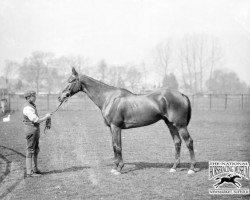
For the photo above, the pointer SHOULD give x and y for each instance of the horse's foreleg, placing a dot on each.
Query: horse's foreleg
(217, 185)
(189, 142)
(117, 147)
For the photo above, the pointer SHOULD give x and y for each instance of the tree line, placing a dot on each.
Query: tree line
(189, 65)
(46, 73)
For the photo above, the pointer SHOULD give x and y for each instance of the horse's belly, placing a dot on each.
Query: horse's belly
(138, 118)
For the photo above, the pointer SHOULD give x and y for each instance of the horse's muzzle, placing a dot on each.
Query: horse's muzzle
(63, 96)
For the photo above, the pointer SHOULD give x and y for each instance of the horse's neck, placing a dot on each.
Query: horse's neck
(96, 90)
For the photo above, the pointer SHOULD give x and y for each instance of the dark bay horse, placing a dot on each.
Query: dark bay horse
(229, 179)
(121, 109)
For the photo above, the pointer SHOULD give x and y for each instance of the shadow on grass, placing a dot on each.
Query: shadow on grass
(71, 169)
(134, 166)
(7, 171)
(8, 162)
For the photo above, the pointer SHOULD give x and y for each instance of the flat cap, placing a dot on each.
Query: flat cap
(29, 93)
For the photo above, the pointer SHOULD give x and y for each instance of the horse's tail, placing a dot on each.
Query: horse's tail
(189, 109)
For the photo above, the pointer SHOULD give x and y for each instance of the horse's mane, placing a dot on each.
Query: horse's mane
(104, 84)
(97, 81)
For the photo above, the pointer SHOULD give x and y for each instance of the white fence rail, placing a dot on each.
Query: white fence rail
(82, 102)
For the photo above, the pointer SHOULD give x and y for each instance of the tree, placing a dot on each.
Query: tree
(116, 76)
(102, 69)
(170, 82)
(163, 55)
(216, 55)
(79, 62)
(53, 80)
(34, 69)
(10, 72)
(198, 56)
(133, 77)
(19, 85)
(226, 82)
(65, 63)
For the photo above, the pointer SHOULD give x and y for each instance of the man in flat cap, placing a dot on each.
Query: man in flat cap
(32, 122)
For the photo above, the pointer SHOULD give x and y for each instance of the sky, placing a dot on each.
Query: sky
(122, 31)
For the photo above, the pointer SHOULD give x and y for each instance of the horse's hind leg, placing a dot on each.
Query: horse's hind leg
(115, 153)
(237, 184)
(189, 142)
(177, 143)
(117, 147)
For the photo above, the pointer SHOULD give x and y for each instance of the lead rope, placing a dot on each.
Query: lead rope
(48, 121)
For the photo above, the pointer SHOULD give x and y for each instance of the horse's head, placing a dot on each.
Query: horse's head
(237, 176)
(73, 86)
(233, 176)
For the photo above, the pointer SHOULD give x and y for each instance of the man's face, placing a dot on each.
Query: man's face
(33, 98)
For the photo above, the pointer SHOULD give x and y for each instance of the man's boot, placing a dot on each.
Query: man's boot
(35, 168)
(29, 171)
(28, 166)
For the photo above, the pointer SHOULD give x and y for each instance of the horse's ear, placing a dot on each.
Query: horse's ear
(74, 72)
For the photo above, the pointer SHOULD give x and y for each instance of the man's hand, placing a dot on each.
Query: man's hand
(48, 115)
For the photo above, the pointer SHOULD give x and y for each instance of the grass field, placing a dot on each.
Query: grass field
(76, 157)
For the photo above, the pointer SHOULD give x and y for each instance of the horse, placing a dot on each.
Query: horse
(122, 109)
(229, 179)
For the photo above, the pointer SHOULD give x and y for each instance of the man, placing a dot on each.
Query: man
(32, 122)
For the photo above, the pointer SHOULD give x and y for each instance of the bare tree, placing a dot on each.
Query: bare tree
(79, 62)
(53, 80)
(163, 55)
(64, 63)
(133, 78)
(198, 56)
(10, 71)
(34, 69)
(186, 64)
(116, 76)
(216, 55)
(102, 69)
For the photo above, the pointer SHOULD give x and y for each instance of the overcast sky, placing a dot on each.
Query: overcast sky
(122, 31)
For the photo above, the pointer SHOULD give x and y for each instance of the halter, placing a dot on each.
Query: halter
(74, 82)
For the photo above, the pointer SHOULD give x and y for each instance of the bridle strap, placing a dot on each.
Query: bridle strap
(58, 107)
(73, 85)
(48, 121)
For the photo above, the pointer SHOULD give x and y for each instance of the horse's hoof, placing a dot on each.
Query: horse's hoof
(172, 170)
(115, 172)
(191, 171)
